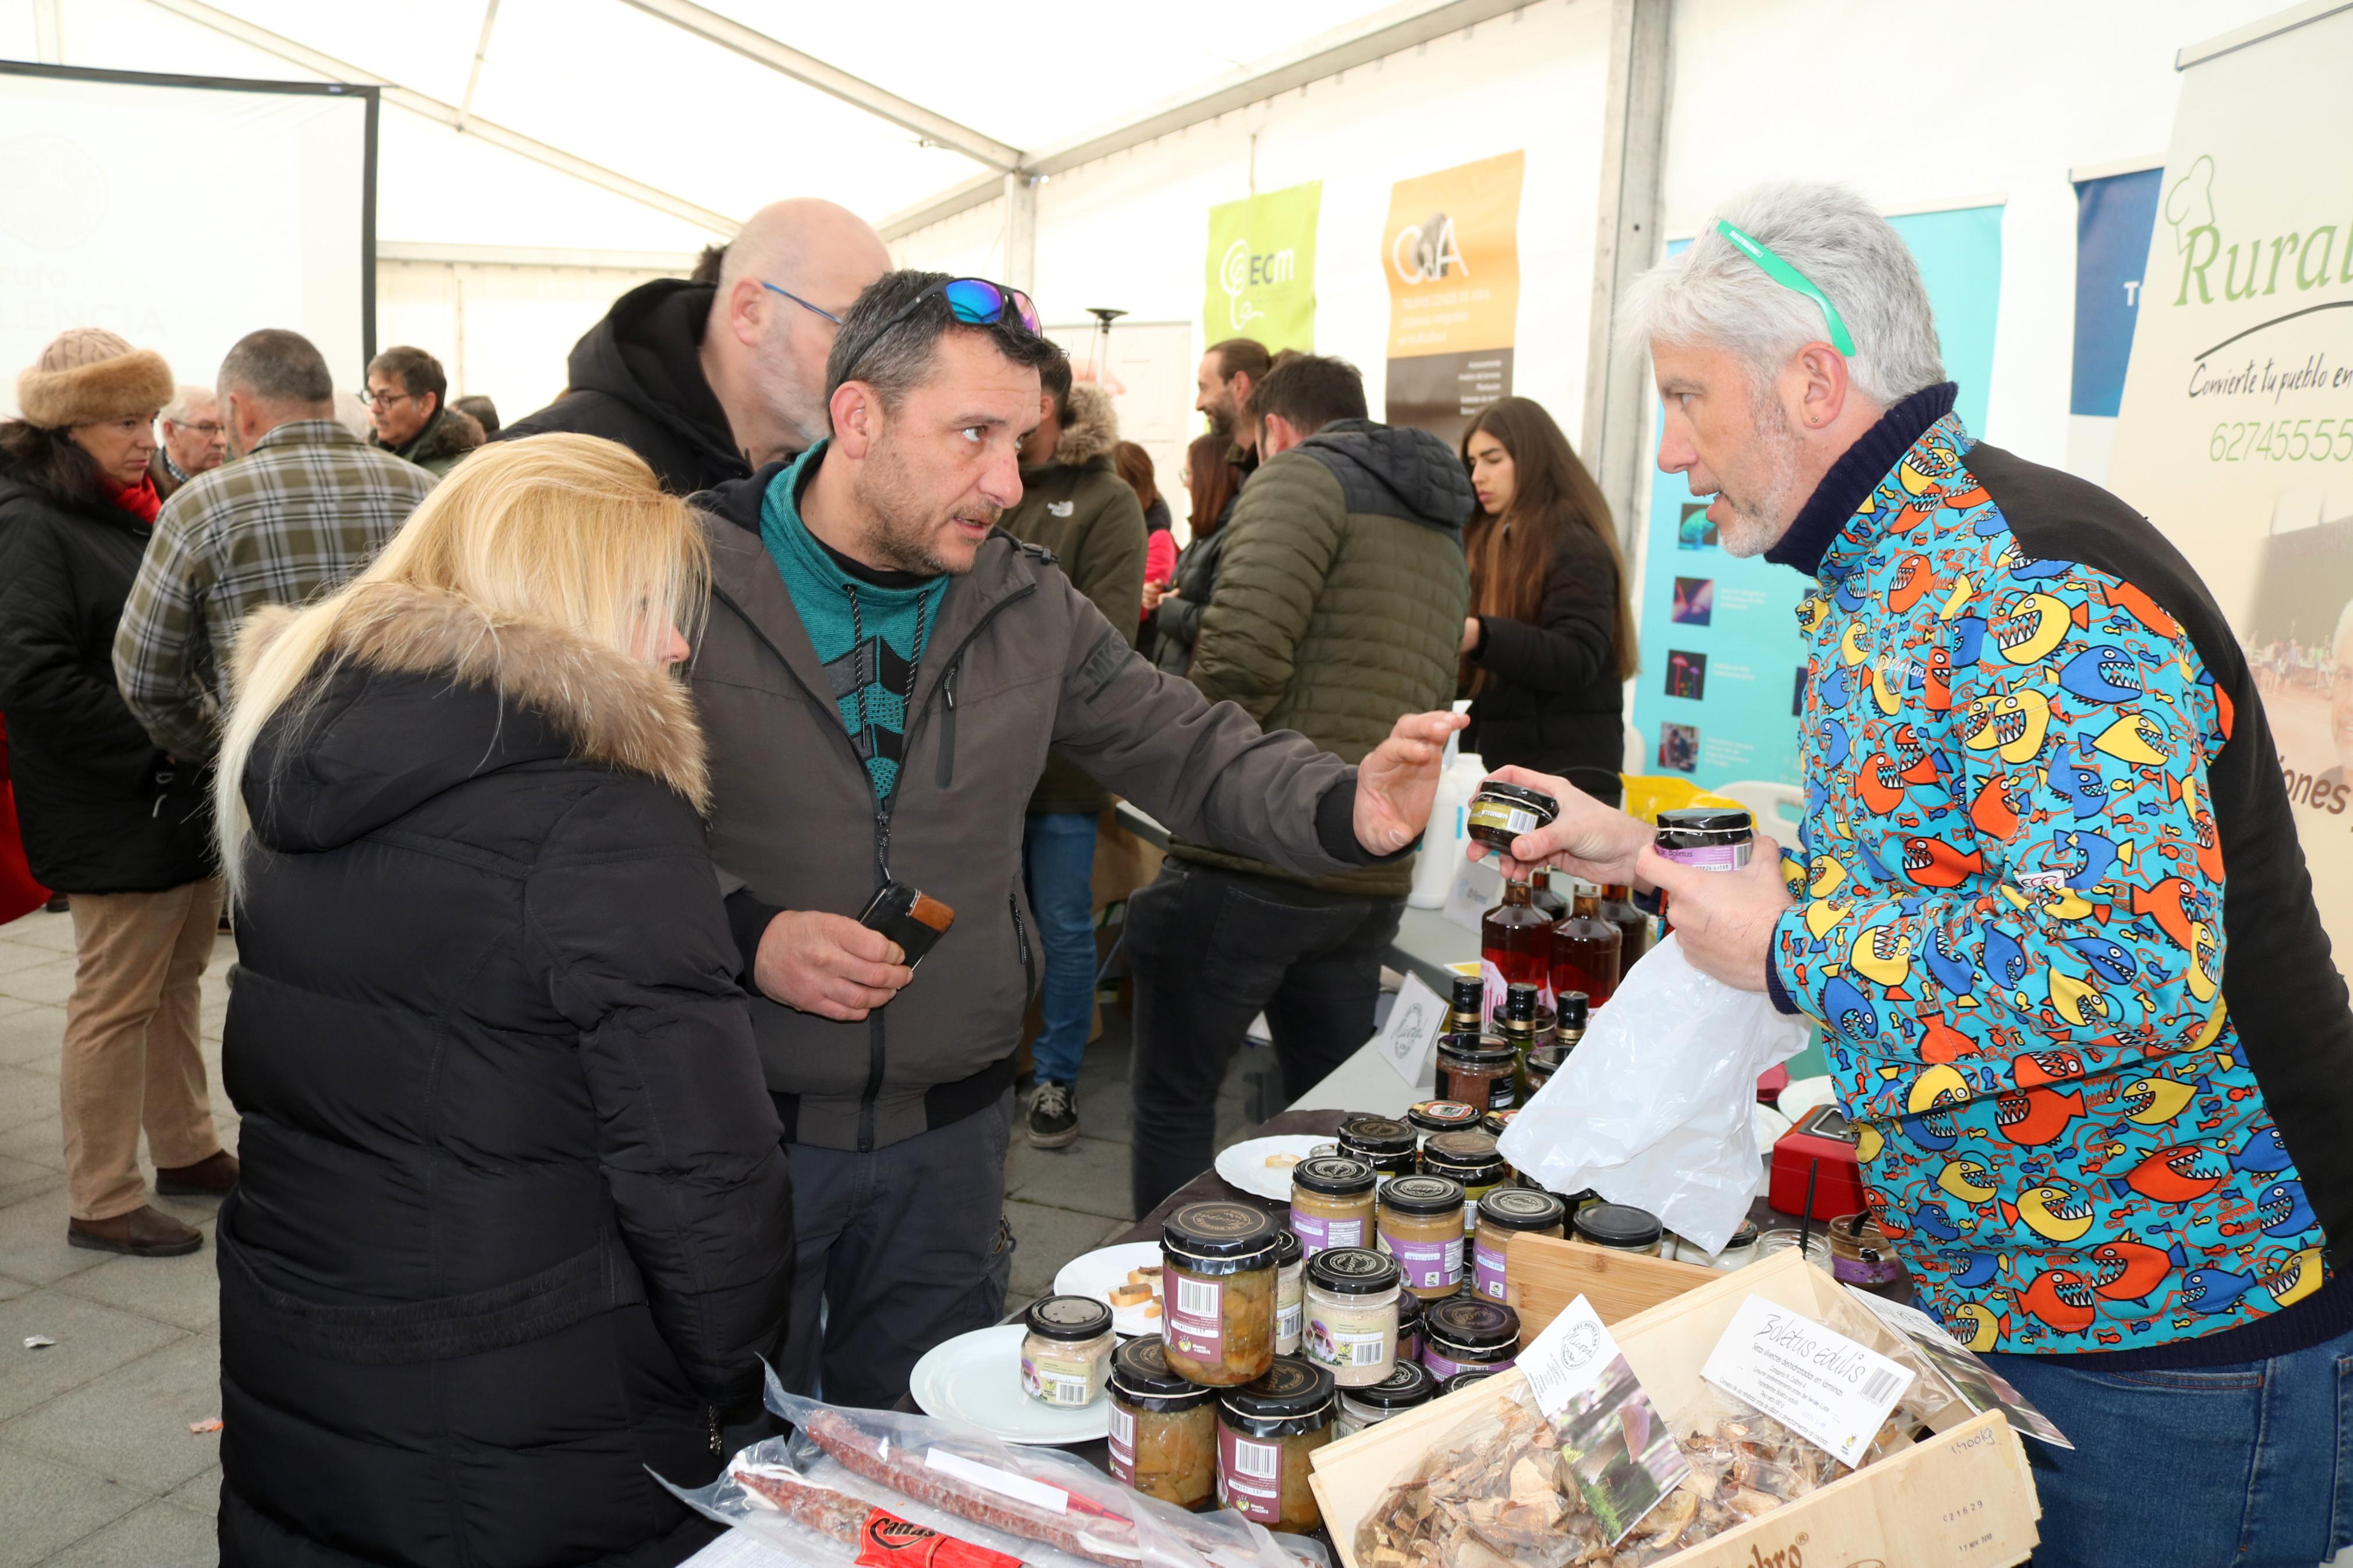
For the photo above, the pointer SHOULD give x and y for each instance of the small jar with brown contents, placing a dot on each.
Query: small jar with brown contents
(1385, 1144)
(1266, 1433)
(1217, 1289)
(1469, 1157)
(1620, 1227)
(1465, 1332)
(1479, 1070)
(1331, 1202)
(1164, 1429)
(1504, 1214)
(1409, 1384)
(1421, 1227)
(1290, 1293)
(1066, 1354)
(1351, 1314)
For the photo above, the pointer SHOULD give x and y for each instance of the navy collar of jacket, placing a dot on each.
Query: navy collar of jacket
(1856, 475)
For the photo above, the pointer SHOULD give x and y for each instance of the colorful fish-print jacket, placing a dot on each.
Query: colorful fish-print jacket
(2032, 752)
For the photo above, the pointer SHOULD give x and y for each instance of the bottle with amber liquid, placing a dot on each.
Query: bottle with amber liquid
(1585, 949)
(1546, 891)
(1514, 945)
(1633, 925)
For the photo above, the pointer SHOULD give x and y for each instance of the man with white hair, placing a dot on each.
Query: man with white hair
(708, 381)
(2032, 748)
(193, 441)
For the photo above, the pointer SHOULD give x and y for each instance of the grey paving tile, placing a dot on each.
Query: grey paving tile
(156, 1536)
(12, 1289)
(33, 1242)
(50, 982)
(1104, 1108)
(200, 1493)
(38, 1143)
(25, 1096)
(16, 956)
(131, 1425)
(91, 1340)
(49, 1507)
(182, 1291)
(1089, 1176)
(23, 1179)
(11, 1005)
(1049, 1238)
(52, 931)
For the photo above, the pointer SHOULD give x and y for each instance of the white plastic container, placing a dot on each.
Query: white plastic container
(1443, 840)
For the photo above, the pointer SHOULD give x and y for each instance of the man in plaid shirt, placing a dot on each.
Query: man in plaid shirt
(303, 505)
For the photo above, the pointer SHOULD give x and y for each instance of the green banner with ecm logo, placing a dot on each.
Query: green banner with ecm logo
(1261, 269)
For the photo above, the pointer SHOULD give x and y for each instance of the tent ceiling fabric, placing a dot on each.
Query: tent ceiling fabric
(615, 85)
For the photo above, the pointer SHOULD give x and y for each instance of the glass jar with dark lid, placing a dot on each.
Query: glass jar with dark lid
(1352, 1314)
(1501, 812)
(1164, 1429)
(1618, 1225)
(1432, 1117)
(1409, 1327)
(1408, 1386)
(1218, 1291)
(1267, 1430)
(1494, 1121)
(1385, 1144)
(1421, 1227)
(1066, 1349)
(1469, 1156)
(1480, 1072)
(1462, 1380)
(1332, 1202)
(1505, 1212)
(1464, 1331)
(1707, 838)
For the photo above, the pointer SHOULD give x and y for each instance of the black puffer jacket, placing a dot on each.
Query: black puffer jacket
(1177, 618)
(637, 378)
(1552, 699)
(102, 810)
(515, 1224)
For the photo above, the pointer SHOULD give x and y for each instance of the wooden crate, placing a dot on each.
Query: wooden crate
(1547, 1273)
(1962, 1497)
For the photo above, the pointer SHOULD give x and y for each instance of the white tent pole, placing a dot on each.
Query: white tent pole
(49, 33)
(474, 73)
(497, 135)
(811, 71)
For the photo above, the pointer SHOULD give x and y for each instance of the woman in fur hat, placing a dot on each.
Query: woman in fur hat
(107, 817)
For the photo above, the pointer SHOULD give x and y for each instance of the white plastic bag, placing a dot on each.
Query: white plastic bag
(1654, 1107)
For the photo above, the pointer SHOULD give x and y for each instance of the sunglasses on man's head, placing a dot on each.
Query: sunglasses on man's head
(974, 302)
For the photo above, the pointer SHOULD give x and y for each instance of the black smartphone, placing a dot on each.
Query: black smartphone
(913, 919)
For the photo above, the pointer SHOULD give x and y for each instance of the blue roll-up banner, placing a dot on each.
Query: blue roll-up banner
(1717, 698)
(2114, 215)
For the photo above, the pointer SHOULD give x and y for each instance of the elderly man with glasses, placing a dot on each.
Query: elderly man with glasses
(707, 380)
(192, 439)
(884, 671)
(2034, 754)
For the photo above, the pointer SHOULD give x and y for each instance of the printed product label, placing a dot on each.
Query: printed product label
(1250, 1476)
(1196, 1316)
(1286, 1327)
(1427, 1265)
(1442, 1367)
(1813, 1380)
(1123, 1446)
(886, 1540)
(1347, 1343)
(1054, 1380)
(1710, 856)
(1512, 819)
(1316, 1235)
(1487, 1272)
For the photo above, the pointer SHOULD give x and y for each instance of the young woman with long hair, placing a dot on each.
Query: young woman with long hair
(514, 1226)
(1549, 641)
(1214, 484)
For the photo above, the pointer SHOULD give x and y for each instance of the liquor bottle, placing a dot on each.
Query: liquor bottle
(1633, 925)
(1467, 1012)
(1546, 891)
(1585, 949)
(1514, 944)
(1517, 1022)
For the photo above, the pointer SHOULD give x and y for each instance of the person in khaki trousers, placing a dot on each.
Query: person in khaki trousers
(107, 817)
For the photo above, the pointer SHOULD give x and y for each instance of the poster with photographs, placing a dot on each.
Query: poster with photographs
(1613, 1443)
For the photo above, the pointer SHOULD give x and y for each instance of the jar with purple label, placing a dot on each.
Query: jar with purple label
(1707, 838)
(1218, 1283)
(1502, 1213)
(1409, 1327)
(1465, 1333)
(1331, 1202)
(1268, 1430)
(1421, 1227)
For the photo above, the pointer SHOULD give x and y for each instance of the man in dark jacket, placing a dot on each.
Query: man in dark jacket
(408, 408)
(1073, 504)
(708, 381)
(1338, 605)
(1222, 384)
(882, 676)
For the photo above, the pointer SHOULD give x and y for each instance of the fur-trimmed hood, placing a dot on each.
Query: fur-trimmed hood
(1092, 430)
(498, 693)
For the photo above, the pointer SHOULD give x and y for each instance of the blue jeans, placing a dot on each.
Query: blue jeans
(2249, 1465)
(1057, 862)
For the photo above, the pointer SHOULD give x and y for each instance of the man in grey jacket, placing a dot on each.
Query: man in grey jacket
(884, 673)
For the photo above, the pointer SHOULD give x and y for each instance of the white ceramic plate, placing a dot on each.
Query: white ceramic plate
(977, 1378)
(1245, 1164)
(1094, 1273)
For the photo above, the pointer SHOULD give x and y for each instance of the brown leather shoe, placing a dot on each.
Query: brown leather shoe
(141, 1232)
(208, 1178)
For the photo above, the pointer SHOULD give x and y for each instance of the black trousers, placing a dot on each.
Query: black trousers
(1210, 950)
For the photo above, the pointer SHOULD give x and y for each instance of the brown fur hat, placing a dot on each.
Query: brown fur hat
(86, 374)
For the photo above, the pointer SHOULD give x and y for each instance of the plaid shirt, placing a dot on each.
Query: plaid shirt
(307, 508)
